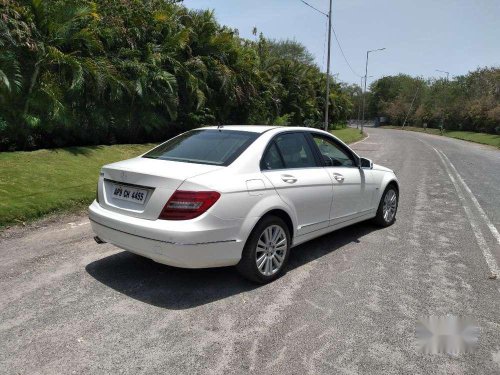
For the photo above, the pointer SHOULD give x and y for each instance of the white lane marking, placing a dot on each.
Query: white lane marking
(489, 224)
(485, 217)
(488, 256)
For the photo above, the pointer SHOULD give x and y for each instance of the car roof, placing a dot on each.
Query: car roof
(263, 128)
(246, 128)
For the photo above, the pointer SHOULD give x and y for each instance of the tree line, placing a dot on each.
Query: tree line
(78, 72)
(467, 102)
(82, 72)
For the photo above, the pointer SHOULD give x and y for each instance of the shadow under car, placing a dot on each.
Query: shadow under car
(177, 288)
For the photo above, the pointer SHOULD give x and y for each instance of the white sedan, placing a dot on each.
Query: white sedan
(238, 195)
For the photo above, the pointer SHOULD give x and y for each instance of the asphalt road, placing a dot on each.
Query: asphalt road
(349, 304)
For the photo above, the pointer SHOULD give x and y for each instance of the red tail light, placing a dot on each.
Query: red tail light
(185, 205)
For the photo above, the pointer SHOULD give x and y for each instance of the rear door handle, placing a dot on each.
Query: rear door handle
(338, 177)
(288, 178)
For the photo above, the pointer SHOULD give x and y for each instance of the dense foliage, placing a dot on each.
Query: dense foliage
(79, 72)
(469, 102)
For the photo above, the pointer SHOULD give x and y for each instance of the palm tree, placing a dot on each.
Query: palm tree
(60, 62)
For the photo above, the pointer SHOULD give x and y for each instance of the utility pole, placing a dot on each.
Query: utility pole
(327, 101)
(364, 91)
(329, 16)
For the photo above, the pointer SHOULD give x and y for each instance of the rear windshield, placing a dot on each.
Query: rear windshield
(210, 146)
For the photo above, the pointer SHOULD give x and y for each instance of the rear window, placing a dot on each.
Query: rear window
(210, 146)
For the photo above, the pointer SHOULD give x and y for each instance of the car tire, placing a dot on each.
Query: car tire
(388, 207)
(272, 251)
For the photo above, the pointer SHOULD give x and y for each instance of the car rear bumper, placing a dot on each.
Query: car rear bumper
(208, 242)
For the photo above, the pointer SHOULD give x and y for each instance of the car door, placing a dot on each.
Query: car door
(351, 193)
(293, 167)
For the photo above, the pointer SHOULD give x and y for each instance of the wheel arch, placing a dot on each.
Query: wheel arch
(275, 211)
(389, 179)
(386, 181)
(283, 215)
(392, 182)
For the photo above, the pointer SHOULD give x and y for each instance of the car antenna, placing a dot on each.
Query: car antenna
(220, 127)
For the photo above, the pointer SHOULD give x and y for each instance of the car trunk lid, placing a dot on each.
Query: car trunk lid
(141, 187)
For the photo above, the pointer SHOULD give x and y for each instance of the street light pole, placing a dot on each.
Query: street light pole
(447, 80)
(360, 100)
(366, 76)
(327, 101)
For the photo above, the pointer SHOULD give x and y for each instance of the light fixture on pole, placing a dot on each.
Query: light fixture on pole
(366, 76)
(445, 72)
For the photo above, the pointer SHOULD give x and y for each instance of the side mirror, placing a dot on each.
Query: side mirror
(365, 163)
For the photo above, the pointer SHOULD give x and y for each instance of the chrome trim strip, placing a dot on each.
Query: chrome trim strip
(148, 188)
(351, 216)
(291, 169)
(167, 242)
(364, 213)
(354, 217)
(308, 225)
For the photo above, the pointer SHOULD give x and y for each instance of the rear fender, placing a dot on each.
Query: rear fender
(263, 207)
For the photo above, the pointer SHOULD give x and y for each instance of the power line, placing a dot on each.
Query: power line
(343, 54)
(329, 18)
(336, 39)
(316, 9)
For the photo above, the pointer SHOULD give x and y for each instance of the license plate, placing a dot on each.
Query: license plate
(128, 193)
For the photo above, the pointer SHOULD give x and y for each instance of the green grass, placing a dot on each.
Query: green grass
(348, 135)
(36, 183)
(33, 184)
(483, 138)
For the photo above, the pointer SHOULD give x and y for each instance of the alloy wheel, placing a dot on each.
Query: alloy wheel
(390, 205)
(271, 250)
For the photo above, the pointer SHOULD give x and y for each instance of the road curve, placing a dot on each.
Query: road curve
(349, 303)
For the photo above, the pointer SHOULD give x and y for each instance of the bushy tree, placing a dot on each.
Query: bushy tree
(468, 102)
(75, 72)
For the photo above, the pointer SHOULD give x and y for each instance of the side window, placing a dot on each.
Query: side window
(332, 154)
(295, 150)
(272, 159)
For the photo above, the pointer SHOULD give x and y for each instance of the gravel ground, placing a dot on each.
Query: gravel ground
(349, 303)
